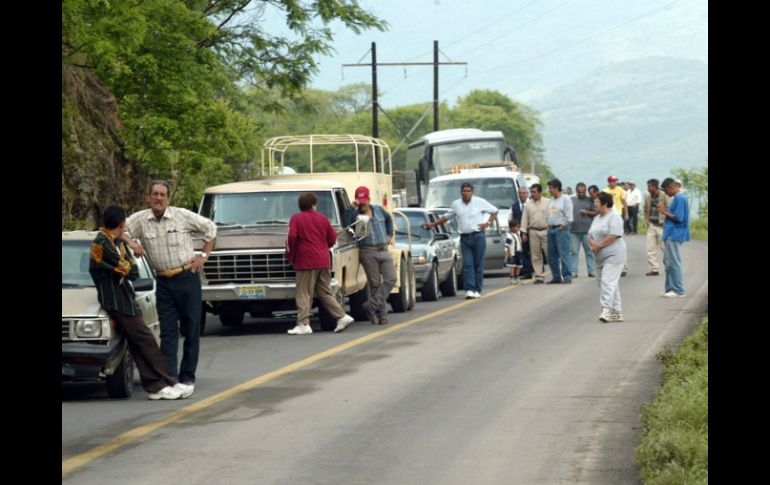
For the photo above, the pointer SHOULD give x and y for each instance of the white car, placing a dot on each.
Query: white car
(92, 346)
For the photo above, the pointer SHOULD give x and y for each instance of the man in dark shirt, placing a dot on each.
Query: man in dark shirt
(112, 269)
(517, 210)
(578, 235)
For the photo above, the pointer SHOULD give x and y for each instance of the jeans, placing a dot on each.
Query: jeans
(575, 240)
(179, 303)
(673, 263)
(558, 254)
(474, 248)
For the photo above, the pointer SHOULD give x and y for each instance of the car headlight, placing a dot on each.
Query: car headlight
(419, 258)
(92, 328)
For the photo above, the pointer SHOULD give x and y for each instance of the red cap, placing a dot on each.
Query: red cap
(612, 178)
(362, 194)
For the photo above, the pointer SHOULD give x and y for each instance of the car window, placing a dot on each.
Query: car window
(75, 258)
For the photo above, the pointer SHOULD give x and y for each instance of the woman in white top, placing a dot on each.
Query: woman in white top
(606, 239)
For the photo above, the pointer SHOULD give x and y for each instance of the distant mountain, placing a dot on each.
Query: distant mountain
(636, 119)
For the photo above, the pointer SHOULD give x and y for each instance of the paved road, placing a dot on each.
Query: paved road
(522, 386)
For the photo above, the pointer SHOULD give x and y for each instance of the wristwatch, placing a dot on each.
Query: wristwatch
(204, 255)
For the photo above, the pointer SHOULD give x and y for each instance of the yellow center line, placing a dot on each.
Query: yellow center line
(71, 464)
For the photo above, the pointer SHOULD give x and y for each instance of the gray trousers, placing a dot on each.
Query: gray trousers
(608, 278)
(381, 276)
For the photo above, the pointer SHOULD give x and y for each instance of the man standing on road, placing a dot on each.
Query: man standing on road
(307, 249)
(578, 235)
(654, 222)
(534, 229)
(373, 254)
(618, 204)
(472, 222)
(113, 268)
(633, 200)
(517, 212)
(559, 220)
(676, 230)
(166, 232)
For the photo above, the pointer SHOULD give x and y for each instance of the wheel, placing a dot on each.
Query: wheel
(449, 286)
(231, 316)
(328, 322)
(412, 286)
(357, 301)
(400, 301)
(430, 291)
(121, 383)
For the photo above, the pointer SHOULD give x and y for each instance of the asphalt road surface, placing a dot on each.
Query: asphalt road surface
(523, 386)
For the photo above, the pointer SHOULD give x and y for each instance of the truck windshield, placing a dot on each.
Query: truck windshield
(261, 208)
(75, 256)
(444, 156)
(500, 192)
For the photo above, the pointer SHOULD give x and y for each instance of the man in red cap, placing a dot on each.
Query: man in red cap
(618, 203)
(373, 255)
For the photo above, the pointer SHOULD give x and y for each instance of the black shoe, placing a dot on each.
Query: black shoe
(623, 273)
(554, 282)
(567, 282)
(538, 282)
(591, 275)
(526, 277)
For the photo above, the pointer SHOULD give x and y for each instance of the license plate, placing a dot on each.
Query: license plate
(251, 292)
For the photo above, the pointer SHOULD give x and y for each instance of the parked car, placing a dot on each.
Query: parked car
(495, 235)
(434, 253)
(92, 346)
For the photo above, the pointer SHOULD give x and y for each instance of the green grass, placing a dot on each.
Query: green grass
(674, 445)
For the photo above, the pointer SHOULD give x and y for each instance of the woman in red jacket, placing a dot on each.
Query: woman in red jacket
(310, 237)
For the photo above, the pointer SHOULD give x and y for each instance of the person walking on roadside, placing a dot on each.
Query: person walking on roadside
(517, 212)
(606, 239)
(374, 255)
(166, 233)
(472, 221)
(534, 229)
(578, 233)
(559, 220)
(307, 249)
(112, 269)
(676, 231)
(654, 221)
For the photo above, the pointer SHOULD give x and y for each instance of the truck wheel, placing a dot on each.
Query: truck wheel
(121, 383)
(449, 286)
(430, 291)
(231, 317)
(328, 322)
(412, 286)
(400, 301)
(357, 301)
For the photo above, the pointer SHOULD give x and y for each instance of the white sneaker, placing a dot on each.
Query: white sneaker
(672, 294)
(476, 294)
(301, 330)
(605, 316)
(185, 390)
(469, 295)
(343, 323)
(167, 392)
(616, 316)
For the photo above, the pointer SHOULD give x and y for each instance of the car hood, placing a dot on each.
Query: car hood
(273, 237)
(80, 302)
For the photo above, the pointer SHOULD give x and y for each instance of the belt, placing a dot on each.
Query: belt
(374, 248)
(170, 273)
(538, 228)
(469, 233)
(555, 226)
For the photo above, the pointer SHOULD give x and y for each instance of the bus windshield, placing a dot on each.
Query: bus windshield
(498, 191)
(446, 155)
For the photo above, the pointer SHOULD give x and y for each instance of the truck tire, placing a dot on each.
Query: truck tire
(120, 384)
(430, 291)
(229, 316)
(412, 286)
(328, 322)
(400, 301)
(449, 285)
(357, 301)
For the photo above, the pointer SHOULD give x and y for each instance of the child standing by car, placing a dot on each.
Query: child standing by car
(513, 251)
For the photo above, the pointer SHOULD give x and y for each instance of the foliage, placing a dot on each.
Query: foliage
(674, 445)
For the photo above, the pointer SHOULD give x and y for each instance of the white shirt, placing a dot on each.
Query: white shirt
(470, 215)
(633, 197)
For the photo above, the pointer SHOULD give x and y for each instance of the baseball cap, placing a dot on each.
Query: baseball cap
(612, 178)
(362, 194)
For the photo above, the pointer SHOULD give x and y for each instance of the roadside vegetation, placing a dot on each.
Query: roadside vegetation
(674, 445)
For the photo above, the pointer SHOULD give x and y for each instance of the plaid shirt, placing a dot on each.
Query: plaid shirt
(112, 268)
(169, 241)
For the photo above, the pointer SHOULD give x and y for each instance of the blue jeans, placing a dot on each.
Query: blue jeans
(673, 263)
(558, 254)
(474, 248)
(575, 240)
(179, 303)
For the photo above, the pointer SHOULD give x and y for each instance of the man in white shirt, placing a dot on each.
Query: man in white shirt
(472, 221)
(633, 200)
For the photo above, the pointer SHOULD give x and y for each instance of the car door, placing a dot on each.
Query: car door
(495, 257)
(444, 247)
(146, 300)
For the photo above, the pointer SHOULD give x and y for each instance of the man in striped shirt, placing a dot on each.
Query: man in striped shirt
(167, 234)
(113, 268)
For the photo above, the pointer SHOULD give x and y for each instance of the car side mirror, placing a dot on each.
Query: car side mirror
(360, 228)
(144, 284)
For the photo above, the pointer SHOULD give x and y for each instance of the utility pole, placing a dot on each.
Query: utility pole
(435, 64)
